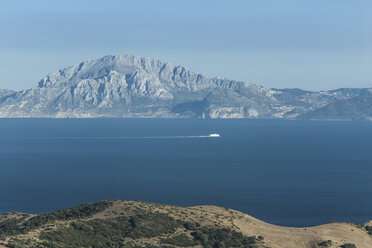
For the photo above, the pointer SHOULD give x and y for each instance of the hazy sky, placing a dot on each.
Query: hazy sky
(310, 44)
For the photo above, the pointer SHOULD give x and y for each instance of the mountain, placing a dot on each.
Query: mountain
(4, 94)
(141, 224)
(300, 102)
(356, 108)
(131, 86)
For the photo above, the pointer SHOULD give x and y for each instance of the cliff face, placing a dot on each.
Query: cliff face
(130, 86)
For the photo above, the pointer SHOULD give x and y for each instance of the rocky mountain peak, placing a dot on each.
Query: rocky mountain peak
(132, 86)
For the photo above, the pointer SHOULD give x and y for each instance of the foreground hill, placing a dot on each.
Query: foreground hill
(131, 86)
(140, 224)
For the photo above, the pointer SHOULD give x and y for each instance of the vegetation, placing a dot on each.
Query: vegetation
(136, 227)
(114, 232)
(111, 232)
(191, 225)
(348, 245)
(212, 238)
(326, 243)
(369, 229)
(209, 237)
(24, 225)
(180, 240)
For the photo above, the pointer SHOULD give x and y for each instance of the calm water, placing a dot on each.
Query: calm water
(296, 173)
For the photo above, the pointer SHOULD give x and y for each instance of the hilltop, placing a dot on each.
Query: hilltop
(140, 224)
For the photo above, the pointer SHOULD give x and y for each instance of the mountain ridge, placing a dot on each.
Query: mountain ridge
(131, 86)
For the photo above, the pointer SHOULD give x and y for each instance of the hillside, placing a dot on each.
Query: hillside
(140, 224)
(131, 86)
(356, 108)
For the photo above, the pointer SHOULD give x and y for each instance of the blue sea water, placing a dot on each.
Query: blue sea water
(295, 173)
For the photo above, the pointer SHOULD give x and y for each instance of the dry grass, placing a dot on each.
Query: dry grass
(218, 217)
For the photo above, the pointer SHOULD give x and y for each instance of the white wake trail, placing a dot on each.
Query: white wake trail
(116, 137)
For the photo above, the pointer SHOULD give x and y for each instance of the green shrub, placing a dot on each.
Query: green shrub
(326, 243)
(369, 229)
(14, 227)
(81, 231)
(111, 232)
(180, 240)
(190, 225)
(348, 245)
(224, 237)
(152, 225)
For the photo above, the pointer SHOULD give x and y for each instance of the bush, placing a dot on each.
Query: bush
(14, 227)
(369, 229)
(348, 245)
(111, 232)
(152, 225)
(80, 231)
(190, 225)
(325, 243)
(224, 237)
(180, 240)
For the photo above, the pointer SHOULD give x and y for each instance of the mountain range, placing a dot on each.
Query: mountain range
(131, 86)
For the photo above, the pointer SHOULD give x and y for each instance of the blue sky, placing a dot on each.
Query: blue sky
(314, 45)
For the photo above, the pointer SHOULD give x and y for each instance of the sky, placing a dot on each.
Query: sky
(313, 45)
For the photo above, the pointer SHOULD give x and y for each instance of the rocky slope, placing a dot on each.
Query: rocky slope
(130, 86)
(140, 224)
(356, 108)
(4, 94)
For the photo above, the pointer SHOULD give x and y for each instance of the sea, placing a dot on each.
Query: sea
(291, 173)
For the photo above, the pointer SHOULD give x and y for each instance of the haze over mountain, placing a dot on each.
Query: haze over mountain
(131, 86)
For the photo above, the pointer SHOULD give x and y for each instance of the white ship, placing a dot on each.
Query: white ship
(214, 135)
